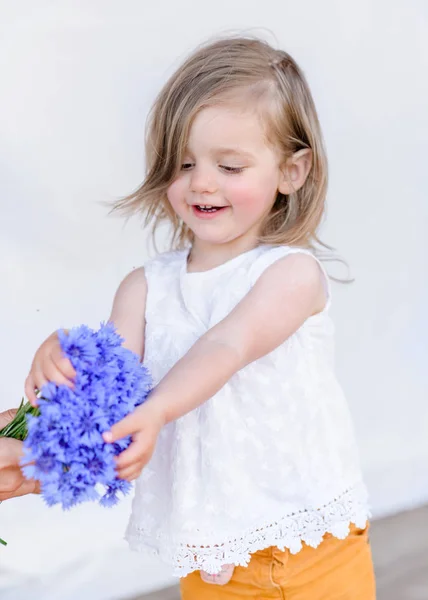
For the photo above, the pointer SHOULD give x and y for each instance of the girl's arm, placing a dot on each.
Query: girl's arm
(49, 363)
(128, 312)
(286, 294)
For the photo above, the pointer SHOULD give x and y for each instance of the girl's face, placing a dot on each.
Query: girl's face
(229, 178)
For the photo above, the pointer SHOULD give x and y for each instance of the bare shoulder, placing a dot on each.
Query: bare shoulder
(299, 264)
(135, 278)
(132, 290)
(297, 274)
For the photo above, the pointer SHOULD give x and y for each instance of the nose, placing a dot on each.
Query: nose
(203, 181)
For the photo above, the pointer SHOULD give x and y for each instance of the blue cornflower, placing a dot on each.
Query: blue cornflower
(71, 459)
(110, 498)
(79, 346)
(89, 424)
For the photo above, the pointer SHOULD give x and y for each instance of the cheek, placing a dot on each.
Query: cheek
(175, 193)
(253, 195)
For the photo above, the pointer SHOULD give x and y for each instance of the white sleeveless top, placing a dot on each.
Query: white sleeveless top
(270, 460)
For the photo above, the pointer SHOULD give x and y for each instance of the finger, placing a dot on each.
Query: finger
(39, 379)
(27, 487)
(136, 452)
(29, 390)
(53, 374)
(11, 479)
(130, 473)
(127, 426)
(63, 363)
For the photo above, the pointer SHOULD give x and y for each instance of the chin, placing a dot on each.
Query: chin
(216, 241)
(211, 239)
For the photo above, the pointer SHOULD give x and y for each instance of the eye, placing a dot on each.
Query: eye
(231, 169)
(186, 166)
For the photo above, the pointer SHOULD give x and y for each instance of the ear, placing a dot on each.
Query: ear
(295, 171)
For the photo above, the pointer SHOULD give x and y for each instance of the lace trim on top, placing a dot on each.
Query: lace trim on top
(308, 526)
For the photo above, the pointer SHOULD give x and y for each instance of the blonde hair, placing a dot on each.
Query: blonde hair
(212, 74)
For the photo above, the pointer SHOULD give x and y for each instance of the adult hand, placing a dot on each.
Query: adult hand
(12, 481)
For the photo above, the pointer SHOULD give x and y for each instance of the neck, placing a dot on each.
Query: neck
(204, 255)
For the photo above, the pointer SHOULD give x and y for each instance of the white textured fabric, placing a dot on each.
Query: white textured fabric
(270, 459)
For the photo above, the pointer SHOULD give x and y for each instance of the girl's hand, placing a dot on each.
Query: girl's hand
(144, 424)
(49, 364)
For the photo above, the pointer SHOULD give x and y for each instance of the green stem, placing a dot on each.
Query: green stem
(17, 428)
(3, 542)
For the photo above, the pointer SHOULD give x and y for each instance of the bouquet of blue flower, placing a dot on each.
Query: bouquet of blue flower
(63, 444)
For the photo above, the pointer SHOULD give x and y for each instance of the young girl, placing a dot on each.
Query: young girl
(248, 476)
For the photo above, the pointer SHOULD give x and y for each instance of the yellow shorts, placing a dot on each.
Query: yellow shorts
(336, 570)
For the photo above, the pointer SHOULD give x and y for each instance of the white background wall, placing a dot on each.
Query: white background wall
(77, 78)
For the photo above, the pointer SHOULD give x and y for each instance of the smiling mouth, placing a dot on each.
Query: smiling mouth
(208, 208)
